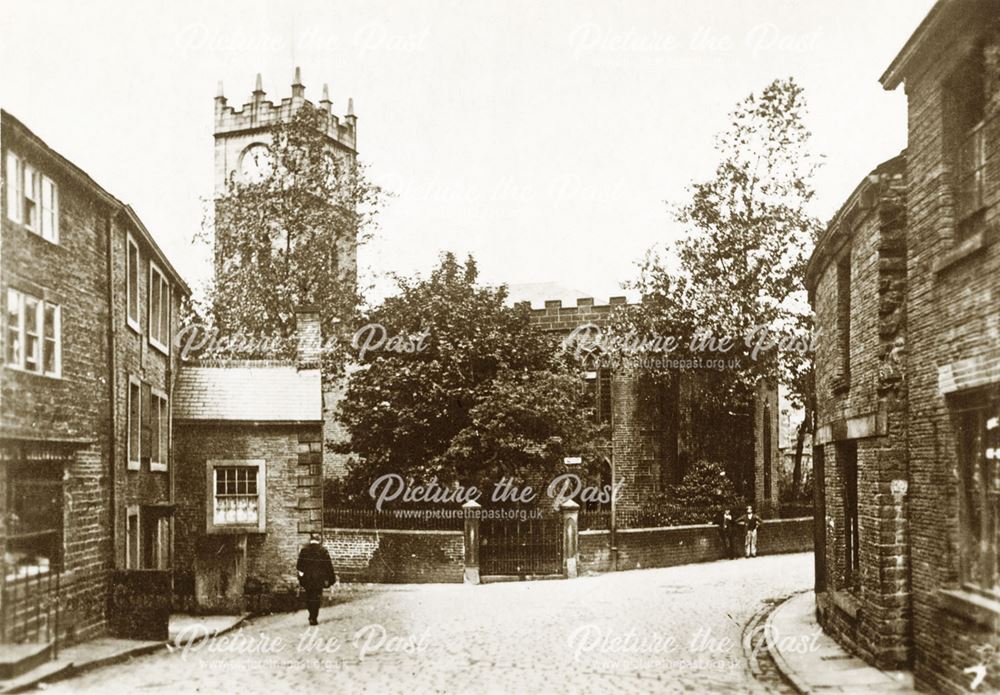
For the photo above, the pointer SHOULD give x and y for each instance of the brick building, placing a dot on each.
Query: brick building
(906, 278)
(249, 439)
(657, 430)
(856, 279)
(90, 305)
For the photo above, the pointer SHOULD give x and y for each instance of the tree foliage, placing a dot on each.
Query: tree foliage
(739, 266)
(287, 237)
(740, 263)
(488, 396)
(704, 493)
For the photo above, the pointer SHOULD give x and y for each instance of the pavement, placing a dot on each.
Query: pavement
(105, 651)
(814, 662)
(668, 630)
(186, 628)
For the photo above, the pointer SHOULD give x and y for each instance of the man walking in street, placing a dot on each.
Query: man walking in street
(315, 574)
(752, 522)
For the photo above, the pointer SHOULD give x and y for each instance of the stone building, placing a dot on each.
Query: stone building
(249, 439)
(242, 141)
(90, 307)
(906, 279)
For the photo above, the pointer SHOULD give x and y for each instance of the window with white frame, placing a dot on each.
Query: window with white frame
(159, 418)
(159, 308)
(33, 334)
(32, 199)
(15, 188)
(50, 210)
(134, 423)
(132, 282)
(236, 495)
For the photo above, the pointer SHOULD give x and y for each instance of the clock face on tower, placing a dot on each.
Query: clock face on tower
(255, 163)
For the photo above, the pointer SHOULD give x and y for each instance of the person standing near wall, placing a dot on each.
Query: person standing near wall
(751, 522)
(315, 574)
(726, 532)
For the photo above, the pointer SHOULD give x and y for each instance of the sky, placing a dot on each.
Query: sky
(544, 138)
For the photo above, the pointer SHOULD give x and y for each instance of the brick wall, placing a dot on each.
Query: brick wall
(952, 315)
(595, 551)
(396, 557)
(861, 400)
(681, 545)
(557, 318)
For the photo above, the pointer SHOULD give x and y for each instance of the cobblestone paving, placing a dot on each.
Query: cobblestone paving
(662, 630)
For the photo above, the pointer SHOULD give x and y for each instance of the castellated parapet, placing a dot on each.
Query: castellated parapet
(238, 130)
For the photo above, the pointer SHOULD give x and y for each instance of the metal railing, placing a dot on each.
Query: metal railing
(29, 606)
(402, 519)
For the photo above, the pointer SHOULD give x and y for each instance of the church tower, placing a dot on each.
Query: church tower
(242, 139)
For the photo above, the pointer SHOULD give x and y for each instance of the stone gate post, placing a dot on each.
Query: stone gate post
(571, 546)
(471, 512)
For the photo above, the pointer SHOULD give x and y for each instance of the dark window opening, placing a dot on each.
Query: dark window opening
(34, 520)
(965, 90)
(979, 460)
(155, 538)
(844, 313)
(604, 396)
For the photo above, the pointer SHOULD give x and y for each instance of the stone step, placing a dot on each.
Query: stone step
(16, 659)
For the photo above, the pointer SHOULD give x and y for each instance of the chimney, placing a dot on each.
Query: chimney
(310, 337)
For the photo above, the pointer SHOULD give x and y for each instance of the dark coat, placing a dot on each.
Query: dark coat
(315, 567)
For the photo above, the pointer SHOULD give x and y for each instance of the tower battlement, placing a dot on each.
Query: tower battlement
(262, 113)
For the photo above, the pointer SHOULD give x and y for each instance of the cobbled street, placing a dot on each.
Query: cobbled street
(597, 634)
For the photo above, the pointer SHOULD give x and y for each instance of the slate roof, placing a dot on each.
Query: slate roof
(248, 392)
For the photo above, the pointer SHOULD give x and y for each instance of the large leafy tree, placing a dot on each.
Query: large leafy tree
(481, 396)
(287, 236)
(739, 266)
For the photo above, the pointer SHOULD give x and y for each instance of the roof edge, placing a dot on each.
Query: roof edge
(941, 16)
(118, 205)
(147, 236)
(238, 421)
(826, 237)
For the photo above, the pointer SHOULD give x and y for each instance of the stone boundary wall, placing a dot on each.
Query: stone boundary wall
(682, 545)
(396, 557)
(405, 557)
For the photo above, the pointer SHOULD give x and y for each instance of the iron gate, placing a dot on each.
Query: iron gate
(521, 547)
